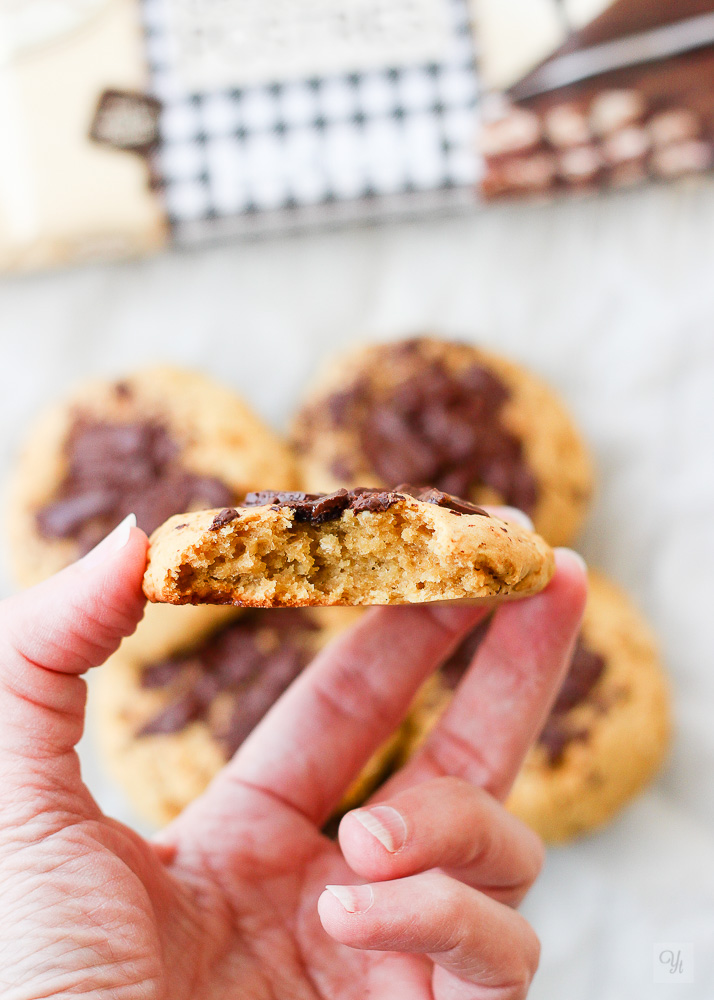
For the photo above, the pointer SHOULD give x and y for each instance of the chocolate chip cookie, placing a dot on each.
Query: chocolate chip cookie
(154, 443)
(166, 723)
(353, 547)
(607, 732)
(454, 416)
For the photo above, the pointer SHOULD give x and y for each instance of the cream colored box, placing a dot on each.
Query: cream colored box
(63, 197)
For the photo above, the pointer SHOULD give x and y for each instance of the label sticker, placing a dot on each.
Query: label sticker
(233, 43)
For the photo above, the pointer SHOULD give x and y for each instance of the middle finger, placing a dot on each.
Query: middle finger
(447, 824)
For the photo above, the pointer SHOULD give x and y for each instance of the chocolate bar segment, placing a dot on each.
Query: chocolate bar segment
(644, 119)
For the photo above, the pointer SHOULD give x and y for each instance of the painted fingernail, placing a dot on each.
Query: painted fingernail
(519, 516)
(573, 556)
(354, 898)
(110, 545)
(384, 823)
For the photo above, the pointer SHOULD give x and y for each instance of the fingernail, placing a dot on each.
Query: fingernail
(519, 516)
(573, 556)
(384, 823)
(354, 898)
(108, 546)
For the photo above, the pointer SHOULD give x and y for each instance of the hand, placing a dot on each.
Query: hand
(230, 900)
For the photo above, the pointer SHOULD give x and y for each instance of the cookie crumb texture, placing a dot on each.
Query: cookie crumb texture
(411, 552)
(465, 420)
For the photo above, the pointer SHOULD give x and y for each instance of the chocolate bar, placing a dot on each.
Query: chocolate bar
(621, 119)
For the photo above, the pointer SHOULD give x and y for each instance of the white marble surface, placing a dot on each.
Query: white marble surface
(610, 299)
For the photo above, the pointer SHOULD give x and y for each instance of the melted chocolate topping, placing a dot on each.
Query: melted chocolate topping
(317, 508)
(437, 427)
(247, 665)
(586, 668)
(117, 469)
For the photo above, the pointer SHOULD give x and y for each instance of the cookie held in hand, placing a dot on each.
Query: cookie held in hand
(357, 547)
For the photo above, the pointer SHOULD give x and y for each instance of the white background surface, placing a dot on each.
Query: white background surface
(612, 300)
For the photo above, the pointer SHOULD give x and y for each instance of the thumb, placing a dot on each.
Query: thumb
(52, 633)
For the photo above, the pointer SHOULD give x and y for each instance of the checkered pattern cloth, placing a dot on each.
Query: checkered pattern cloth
(338, 147)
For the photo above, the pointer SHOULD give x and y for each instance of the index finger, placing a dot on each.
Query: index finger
(316, 738)
(503, 701)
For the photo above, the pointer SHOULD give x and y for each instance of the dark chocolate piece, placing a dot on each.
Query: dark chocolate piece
(586, 669)
(249, 662)
(438, 427)
(317, 508)
(126, 120)
(116, 469)
(224, 517)
(556, 736)
(429, 495)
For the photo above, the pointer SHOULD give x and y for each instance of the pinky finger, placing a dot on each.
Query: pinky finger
(474, 939)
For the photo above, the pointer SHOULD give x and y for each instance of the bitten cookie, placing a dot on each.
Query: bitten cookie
(167, 723)
(359, 547)
(607, 733)
(451, 415)
(154, 443)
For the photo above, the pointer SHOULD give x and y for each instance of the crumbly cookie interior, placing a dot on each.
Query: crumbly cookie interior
(385, 558)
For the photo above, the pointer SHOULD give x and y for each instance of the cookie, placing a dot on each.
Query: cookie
(154, 443)
(358, 547)
(607, 733)
(454, 416)
(168, 722)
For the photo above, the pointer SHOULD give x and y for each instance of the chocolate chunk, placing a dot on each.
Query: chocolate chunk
(117, 469)
(126, 120)
(175, 717)
(439, 427)
(373, 500)
(249, 663)
(224, 517)
(317, 508)
(586, 669)
(453, 670)
(556, 736)
(452, 503)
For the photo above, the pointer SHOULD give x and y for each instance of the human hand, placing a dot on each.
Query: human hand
(229, 900)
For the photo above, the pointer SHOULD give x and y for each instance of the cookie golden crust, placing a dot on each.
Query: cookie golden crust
(421, 410)
(379, 548)
(620, 731)
(163, 771)
(161, 422)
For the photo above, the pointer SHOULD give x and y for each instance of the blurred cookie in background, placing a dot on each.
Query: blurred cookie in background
(451, 416)
(155, 443)
(607, 732)
(167, 724)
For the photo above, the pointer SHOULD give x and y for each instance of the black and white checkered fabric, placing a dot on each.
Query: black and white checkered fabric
(365, 140)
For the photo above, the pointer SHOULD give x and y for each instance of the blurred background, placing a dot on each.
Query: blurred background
(344, 196)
